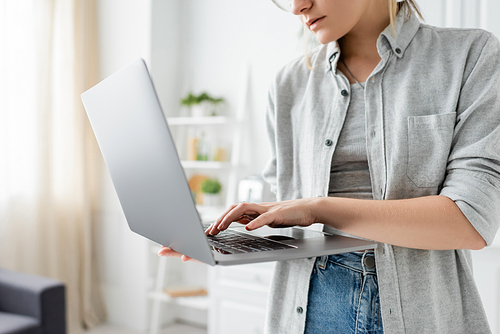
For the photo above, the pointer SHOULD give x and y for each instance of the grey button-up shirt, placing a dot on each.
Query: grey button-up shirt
(432, 127)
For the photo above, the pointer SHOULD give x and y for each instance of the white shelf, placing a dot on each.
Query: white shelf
(197, 302)
(208, 120)
(195, 164)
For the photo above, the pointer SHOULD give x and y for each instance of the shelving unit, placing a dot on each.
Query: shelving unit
(228, 170)
(159, 297)
(237, 295)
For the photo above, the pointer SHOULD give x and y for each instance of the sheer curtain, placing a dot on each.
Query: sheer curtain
(49, 162)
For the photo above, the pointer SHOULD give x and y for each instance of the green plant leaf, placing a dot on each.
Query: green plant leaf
(211, 186)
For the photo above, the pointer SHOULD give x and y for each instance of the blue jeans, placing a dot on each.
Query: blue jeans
(343, 295)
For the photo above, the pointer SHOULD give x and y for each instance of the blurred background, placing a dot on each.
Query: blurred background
(212, 62)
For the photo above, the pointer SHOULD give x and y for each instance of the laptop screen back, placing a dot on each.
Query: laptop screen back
(141, 157)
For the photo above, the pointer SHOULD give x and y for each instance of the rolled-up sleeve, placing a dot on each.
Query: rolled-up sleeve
(473, 170)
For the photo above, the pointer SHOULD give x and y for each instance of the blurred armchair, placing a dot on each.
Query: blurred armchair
(31, 304)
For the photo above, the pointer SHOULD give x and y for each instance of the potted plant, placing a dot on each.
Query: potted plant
(211, 188)
(215, 102)
(201, 105)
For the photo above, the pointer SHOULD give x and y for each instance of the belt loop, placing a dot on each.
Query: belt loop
(322, 262)
(363, 262)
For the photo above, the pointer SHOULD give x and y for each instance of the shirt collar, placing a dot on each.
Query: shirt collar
(332, 55)
(405, 30)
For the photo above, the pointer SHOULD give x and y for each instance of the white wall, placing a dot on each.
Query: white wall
(462, 13)
(217, 41)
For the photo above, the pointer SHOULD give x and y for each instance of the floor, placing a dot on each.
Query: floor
(174, 329)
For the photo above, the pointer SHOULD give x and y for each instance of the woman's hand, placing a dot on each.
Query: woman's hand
(253, 215)
(165, 251)
(277, 214)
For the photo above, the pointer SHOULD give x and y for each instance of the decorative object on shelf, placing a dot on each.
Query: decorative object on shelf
(218, 150)
(211, 188)
(202, 105)
(192, 146)
(203, 148)
(195, 182)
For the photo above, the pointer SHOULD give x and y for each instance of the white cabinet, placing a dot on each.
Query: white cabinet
(238, 298)
(239, 317)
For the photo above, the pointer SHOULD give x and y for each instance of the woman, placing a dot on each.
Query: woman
(391, 135)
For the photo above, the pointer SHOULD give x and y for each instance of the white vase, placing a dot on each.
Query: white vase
(200, 110)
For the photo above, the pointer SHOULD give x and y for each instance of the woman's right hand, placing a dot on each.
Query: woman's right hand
(166, 251)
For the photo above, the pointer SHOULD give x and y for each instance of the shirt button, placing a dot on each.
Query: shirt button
(328, 142)
(344, 92)
(398, 50)
(299, 310)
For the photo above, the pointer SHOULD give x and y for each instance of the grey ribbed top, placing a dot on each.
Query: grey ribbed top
(350, 175)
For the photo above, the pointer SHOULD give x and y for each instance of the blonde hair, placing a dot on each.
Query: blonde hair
(410, 7)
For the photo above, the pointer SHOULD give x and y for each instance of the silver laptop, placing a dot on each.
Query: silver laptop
(140, 154)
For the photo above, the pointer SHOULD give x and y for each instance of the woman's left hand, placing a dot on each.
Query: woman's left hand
(276, 214)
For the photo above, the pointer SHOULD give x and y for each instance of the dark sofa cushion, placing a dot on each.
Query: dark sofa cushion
(18, 324)
(40, 298)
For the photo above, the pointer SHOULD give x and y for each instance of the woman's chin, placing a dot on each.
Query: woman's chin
(323, 39)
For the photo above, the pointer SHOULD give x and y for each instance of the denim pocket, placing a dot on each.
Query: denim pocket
(429, 143)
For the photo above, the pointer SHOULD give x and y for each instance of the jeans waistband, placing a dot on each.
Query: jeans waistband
(362, 262)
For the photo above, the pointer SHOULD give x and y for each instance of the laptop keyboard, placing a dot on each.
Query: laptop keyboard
(230, 242)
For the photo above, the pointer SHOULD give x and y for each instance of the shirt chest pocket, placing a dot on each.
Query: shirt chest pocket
(429, 143)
